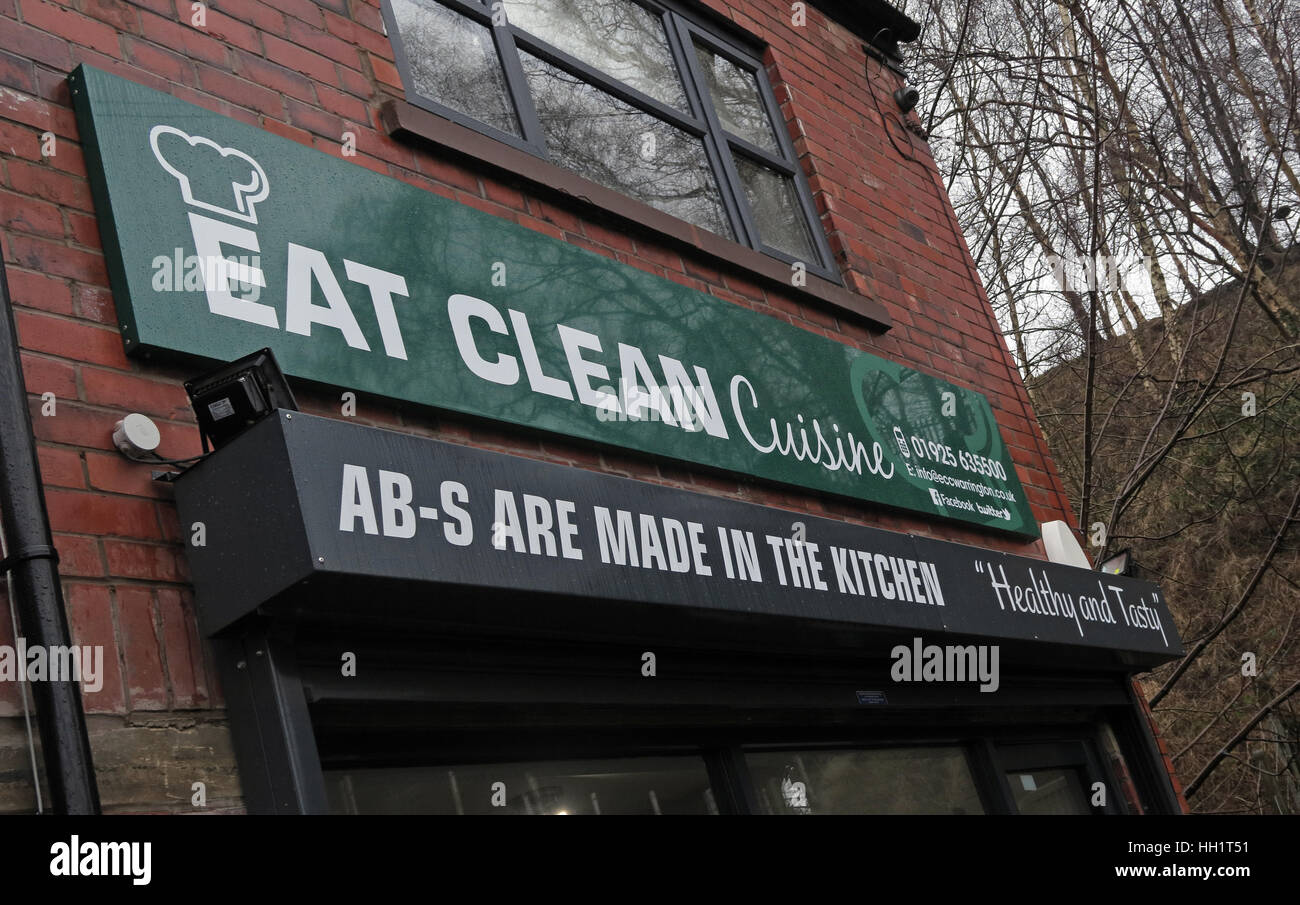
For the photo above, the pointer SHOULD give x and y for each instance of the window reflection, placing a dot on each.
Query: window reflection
(736, 99)
(633, 785)
(623, 148)
(1051, 791)
(654, 157)
(775, 206)
(453, 61)
(617, 37)
(876, 781)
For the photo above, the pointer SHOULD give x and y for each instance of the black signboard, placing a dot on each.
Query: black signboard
(300, 497)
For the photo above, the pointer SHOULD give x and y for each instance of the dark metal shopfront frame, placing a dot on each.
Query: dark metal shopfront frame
(285, 694)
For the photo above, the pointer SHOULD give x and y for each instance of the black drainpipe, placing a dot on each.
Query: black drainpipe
(30, 556)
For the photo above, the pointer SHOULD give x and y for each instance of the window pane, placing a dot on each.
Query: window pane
(881, 781)
(774, 202)
(623, 148)
(634, 785)
(615, 36)
(735, 98)
(1058, 791)
(454, 62)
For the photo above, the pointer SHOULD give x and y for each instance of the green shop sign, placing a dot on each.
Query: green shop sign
(222, 238)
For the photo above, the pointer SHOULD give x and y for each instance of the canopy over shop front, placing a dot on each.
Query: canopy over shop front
(312, 516)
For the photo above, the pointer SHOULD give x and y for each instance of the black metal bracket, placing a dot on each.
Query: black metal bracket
(36, 551)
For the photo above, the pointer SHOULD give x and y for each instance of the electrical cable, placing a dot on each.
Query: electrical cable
(22, 685)
(159, 460)
(885, 123)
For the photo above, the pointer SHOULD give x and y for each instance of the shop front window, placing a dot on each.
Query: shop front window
(1053, 791)
(632, 785)
(871, 781)
(638, 97)
(1061, 777)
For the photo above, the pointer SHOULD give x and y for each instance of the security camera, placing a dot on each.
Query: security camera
(906, 98)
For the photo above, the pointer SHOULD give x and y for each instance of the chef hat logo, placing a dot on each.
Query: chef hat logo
(247, 180)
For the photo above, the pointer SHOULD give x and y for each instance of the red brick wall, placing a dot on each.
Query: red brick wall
(311, 70)
(1165, 757)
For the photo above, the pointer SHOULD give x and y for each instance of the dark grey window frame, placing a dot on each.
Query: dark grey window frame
(276, 671)
(680, 28)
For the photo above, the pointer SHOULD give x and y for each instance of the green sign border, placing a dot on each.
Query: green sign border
(356, 248)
